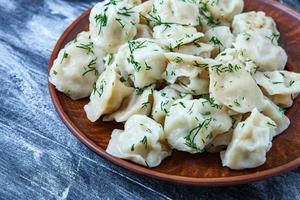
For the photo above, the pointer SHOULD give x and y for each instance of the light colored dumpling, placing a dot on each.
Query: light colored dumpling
(175, 35)
(225, 10)
(162, 101)
(251, 140)
(281, 86)
(187, 73)
(77, 66)
(174, 11)
(143, 31)
(195, 49)
(192, 124)
(107, 96)
(231, 85)
(277, 115)
(140, 102)
(110, 20)
(253, 20)
(142, 61)
(143, 141)
(262, 50)
(220, 37)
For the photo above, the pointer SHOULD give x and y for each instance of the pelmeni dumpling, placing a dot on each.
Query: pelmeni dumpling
(192, 124)
(110, 20)
(107, 96)
(187, 73)
(220, 37)
(142, 61)
(224, 10)
(77, 66)
(231, 85)
(262, 50)
(195, 49)
(277, 115)
(162, 101)
(175, 35)
(174, 11)
(143, 141)
(140, 102)
(281, 86)
(253, 20)
(143, 31)
(251, 140)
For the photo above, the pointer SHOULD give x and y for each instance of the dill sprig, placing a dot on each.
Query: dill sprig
(65, 56)
(92, 66)
(88, 47)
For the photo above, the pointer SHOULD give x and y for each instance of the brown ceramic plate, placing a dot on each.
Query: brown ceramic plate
(204, 169)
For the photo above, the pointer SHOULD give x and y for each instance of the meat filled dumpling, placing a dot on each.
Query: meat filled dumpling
(142, 61)
(253, 20)
(251, 140)
(139, 102)
(280, 86)
(187, 73)
(267, 55)
(77, 66)
(142, 141)
(162, 101)
(192, 124)
(112, 19)
(107, 95)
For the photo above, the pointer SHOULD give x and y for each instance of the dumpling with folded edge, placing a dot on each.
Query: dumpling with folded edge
(224, 10)
(251, 140)
(143, 31)
(77, 66)
(174, 12)
(187, 73)
(192, 124)
(162, 101)
(234, 87)
(142, 141)
(249, 21)
(280, 86)
(112, 19)
(107, 96)
(277, 115)
(175, 35)
(267, 55)
(139, 102)
(220, 37)
(142, 61)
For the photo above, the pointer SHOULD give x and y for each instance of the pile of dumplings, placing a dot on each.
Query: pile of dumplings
(190, 75)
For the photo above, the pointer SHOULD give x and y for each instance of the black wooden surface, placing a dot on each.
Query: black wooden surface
(40, 158)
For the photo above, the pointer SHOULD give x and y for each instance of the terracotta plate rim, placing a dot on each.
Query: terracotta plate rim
(217, 181)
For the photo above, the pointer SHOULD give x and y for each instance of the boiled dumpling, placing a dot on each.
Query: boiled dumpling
(107, 96)
(277, 115)
(267, 55)
(141, 61)
(192, 124)
(281, 86)
(219, 143)
(220, 37)
(250, 21)
(143, 31)
(113, 19)
(77, 66)
(143, 141)
(187, 73)
(195, 49)
(175, 35)
(162, 101)
(231, 85)
(251, 140)
(224, 10)
(174, 12)
(140, 102)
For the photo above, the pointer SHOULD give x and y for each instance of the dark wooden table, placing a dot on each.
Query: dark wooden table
(40, 158)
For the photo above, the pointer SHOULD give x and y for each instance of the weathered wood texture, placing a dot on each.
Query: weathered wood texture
(40, 158)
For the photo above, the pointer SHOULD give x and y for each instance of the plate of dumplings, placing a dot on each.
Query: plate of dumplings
(198, 92)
